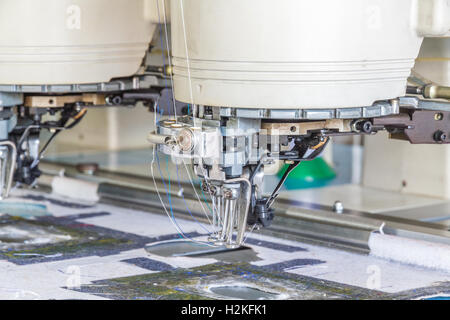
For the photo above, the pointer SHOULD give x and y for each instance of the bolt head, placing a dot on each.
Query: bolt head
(367, 127)
(439, 136)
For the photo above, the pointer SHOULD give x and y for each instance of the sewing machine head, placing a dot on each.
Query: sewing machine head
(58, 58)
(265, 81)
(272, 81)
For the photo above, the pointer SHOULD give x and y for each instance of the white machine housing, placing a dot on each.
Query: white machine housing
(73, 41)
(299, 53)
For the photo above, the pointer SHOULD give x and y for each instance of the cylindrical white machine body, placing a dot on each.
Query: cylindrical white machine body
(72, 41)
(434, 60)
(294, 53)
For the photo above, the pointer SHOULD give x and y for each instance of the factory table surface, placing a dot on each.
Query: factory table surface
(55, 248)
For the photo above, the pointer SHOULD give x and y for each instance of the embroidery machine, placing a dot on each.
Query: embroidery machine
(256, 83)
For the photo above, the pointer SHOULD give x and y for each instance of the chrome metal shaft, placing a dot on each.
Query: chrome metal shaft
(231, 203)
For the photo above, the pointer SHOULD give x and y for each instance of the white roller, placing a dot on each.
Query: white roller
(410, 251)
(75, 189)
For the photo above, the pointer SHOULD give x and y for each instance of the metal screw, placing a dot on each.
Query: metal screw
(439, 136)
(227, 193)
(230, 194)
(438, 116)
(117, 100)
(367, 127)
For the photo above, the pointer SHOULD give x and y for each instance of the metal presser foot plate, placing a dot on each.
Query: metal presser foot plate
(186, 248)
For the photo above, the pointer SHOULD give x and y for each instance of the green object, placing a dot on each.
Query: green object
(309, 174)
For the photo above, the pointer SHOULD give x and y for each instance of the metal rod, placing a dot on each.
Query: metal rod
(12, 166)
(230, 221)
(225, 221)
(436, 92)
(243, 221)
